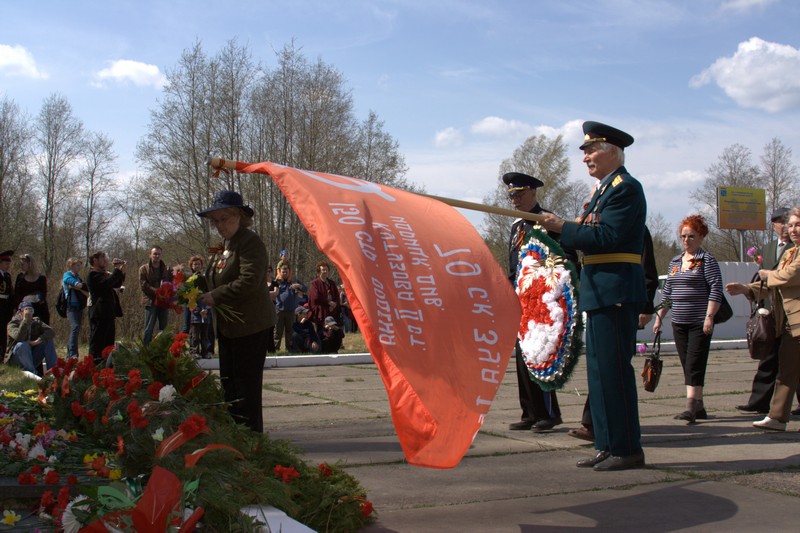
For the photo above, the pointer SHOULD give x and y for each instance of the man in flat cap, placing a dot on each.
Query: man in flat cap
(610, 233)
(6, 297)
(540, 410)
(764, 380)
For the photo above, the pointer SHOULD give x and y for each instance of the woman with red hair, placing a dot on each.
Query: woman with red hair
(693, 291)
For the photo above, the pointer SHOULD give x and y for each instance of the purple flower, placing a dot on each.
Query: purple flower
(752, 251)
(642, 348)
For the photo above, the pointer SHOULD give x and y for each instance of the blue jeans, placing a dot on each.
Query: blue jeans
(75, 316)
(30, 358)
(153, 314)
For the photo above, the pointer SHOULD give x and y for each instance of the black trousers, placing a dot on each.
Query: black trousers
(241, 369)
(102, 333)
(693, 346)
(764, 380)
(535, 403)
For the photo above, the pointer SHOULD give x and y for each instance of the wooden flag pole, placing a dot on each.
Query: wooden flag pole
(218, 163)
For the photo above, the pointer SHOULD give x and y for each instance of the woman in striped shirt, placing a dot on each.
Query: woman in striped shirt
(693, 291)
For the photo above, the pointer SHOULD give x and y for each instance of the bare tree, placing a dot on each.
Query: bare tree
(664, 245)
(15, 139)
(96, 183)
(173, 152)
(495, 228)
(378, 155)
(60, 140)
(546, 159)
(780, 175)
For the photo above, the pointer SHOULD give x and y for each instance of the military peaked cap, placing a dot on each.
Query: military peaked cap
(598, 132)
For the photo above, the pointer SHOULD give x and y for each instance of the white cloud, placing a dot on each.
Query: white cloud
(448, 138)
(760, 75)
(743, 6)
(497, 126)
(17, 61)
(126, 70)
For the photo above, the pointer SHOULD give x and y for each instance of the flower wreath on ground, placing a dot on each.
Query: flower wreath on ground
(551, 327)
(155, 427)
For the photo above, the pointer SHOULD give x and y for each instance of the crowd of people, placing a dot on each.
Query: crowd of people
(618, 281)
(243, 312)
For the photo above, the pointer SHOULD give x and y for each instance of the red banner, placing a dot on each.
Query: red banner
(436, 310)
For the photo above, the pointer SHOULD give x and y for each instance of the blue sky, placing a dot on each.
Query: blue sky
(460, 84)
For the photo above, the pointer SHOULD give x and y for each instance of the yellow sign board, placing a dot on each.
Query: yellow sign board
(739, 208)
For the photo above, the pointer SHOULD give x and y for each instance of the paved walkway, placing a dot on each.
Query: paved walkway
(720, 474)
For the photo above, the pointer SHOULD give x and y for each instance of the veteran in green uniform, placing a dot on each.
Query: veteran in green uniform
(610, 233)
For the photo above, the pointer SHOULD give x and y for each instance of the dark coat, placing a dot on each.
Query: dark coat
(237, 278)
(104, 300)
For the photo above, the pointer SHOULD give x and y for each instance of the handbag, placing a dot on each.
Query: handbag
(653, 366)
(724, 313)
(760, 330)
(61, 304)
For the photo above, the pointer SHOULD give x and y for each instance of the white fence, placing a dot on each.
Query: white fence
(733, 328)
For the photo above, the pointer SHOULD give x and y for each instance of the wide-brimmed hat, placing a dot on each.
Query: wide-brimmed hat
(225, 199)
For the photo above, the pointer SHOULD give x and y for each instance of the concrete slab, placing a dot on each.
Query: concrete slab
(716, 475)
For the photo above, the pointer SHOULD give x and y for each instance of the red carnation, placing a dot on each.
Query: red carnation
(52, 478)
(154, 389)
(77, 408)
(107, 351)
(193, 426)
(287, 473)
(26, 478)
(366, 508)
(325, 470)
(47, 502)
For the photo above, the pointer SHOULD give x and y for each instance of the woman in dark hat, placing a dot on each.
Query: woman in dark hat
(236, 281)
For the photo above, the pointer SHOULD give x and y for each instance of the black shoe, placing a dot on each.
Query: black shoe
(521, 425)
(747, 408)
(546, 424)
(597, 459)
(701, 414)
(627, 462)
(686, 415)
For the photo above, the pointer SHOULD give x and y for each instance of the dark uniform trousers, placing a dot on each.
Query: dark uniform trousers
(536, 404)
(612, 384)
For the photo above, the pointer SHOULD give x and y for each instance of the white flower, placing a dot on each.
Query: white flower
(167, 394)
(68, 520)
(37, 451)
(158, 435)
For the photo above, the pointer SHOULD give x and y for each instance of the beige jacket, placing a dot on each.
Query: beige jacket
(783, 285)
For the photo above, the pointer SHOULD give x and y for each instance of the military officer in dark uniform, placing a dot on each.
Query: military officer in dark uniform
(540, 410)
(612, 293)
(6, 298)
